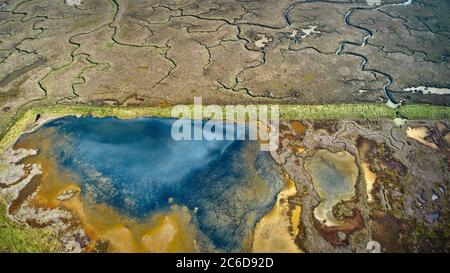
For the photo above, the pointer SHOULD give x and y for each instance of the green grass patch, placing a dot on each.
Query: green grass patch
(15, 238)
(337, 112)
(109, 44)
(425, 112)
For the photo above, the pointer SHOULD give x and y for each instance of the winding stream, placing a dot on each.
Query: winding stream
(387, 93)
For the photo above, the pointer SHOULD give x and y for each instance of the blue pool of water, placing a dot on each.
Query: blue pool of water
(135, 166)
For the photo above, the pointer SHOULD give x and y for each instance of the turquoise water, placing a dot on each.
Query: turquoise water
(334, 176)
(332, 181)
(135, 166)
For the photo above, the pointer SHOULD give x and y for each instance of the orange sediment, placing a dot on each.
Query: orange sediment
(272, 232)
(169, 230)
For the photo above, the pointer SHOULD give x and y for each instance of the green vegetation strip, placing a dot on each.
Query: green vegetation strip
(417, 112)
(287, 112)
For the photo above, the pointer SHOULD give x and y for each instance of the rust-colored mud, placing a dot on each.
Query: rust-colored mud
(170, 230)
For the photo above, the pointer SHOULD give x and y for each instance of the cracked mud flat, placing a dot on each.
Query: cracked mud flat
(402, 204)
(158, 53)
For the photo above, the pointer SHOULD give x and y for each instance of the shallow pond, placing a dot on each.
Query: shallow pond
(134, 170)
(334, 176)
